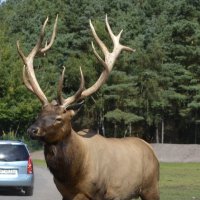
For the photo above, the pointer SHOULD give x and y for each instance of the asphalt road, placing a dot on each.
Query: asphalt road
(44, 188)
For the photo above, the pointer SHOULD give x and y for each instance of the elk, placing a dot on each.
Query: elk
(86, 165)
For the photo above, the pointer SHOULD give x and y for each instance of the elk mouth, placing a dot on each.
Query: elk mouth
(36, 137)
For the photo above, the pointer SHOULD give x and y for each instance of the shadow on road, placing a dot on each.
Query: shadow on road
(11, 192)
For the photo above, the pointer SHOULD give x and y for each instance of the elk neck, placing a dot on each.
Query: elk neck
(67, 155)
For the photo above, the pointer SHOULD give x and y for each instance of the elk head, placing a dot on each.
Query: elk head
(54, 121)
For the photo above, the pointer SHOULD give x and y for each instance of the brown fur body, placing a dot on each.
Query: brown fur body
(89, 166)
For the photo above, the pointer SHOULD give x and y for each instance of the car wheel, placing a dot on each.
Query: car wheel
(28, 191)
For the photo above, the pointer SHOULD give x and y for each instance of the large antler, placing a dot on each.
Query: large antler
(108, 62)
(28, 72)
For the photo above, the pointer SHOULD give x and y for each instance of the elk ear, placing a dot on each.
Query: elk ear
(75, 107)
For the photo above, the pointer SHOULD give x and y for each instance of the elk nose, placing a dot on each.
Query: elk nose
(33, 130)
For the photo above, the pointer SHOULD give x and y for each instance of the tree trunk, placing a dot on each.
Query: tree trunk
(125, 132)
(115, 130)
(130, 129)
(101, 127)
(157, 135)
(162, 132)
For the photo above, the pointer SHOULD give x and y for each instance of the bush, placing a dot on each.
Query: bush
(33, 145)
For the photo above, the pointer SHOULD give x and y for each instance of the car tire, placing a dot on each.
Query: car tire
(28, 191)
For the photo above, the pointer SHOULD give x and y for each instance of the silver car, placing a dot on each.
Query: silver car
(16, 167)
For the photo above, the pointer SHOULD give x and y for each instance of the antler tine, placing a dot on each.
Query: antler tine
(116, 39)
(26, 82)
(29, 74)
(48, 46)
(29, 78)
(23, 57)
(38, 45)
(60, 87)
(99, 57)
(98, 40)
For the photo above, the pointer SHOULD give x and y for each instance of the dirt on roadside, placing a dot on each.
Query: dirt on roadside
(37, 155)
(177, 152)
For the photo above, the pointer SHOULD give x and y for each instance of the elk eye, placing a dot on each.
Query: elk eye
(64, 111)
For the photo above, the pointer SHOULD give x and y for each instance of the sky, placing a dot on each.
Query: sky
(1, 1)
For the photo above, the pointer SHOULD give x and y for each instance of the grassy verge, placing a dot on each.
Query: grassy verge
(180, 181)
(39, 163)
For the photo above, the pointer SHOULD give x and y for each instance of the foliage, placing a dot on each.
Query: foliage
(159, 82)
(9, 136)
(32, 145)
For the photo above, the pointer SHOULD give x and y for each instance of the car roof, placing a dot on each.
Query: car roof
(13, 142)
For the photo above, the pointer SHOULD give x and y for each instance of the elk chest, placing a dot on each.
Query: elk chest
(56, 160)
(65, 162)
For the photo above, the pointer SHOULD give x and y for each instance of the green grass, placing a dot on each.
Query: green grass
(180, 181)
(40, 163)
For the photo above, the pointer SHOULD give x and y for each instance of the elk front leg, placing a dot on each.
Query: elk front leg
(80, 197)
(151, 193)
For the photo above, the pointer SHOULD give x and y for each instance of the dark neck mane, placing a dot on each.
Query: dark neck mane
(66, 159)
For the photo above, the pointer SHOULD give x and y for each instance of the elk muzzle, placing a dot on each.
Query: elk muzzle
(34, 132)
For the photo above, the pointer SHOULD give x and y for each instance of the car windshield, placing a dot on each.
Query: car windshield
(12, 152)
